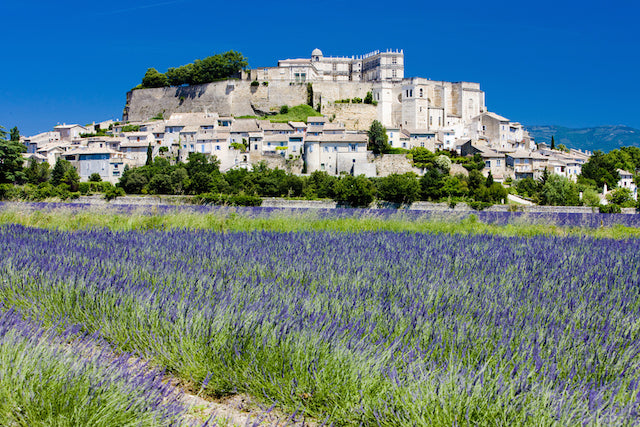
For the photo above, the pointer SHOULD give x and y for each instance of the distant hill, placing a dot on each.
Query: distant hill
(605, 138)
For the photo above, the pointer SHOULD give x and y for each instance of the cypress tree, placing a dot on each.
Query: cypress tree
(149, 155)
(553, 143)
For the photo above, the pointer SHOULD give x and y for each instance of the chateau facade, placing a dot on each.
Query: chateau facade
(375, 66)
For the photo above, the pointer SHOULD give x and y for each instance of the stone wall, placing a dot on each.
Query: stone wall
(354, 116)
(229, 97)
(394, 163)
(236, 97)
(275, 161)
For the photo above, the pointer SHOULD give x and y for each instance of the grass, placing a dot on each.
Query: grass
(290, 221)
(299, 113)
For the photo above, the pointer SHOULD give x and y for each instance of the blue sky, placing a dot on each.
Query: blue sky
(557, 62)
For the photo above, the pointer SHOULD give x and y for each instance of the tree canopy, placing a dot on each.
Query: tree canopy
(209, 69)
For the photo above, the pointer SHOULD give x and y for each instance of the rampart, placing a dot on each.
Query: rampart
(239, 98)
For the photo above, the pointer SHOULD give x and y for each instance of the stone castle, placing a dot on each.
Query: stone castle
(407, 103)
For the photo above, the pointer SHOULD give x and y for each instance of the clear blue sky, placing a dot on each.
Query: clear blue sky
(569, 63)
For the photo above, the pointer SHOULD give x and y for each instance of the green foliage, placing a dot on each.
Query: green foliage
(161, 184)
(228, 199)
(559, 191)
(113, 192)
(355, 191)
(95, 177)
(14, 134)
(321, 185)
(401, 189)
(310, 95)
(255, 83)
(209, 69)
(368, 99)
(528, 187)
(11, 160)
(284, 109)
(590, 197)
(133, 181)
(610, 208)
(182, 75)
(131, 128)
(59, 170)
(265, 84)
(357, 100)
(601, 169)
(153, 78)
(422, 158)
(37, 173)
(149, 160)
(553, 143)
(378, 138)
(621, 197)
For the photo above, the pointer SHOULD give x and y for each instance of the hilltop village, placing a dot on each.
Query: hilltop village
(231, 120)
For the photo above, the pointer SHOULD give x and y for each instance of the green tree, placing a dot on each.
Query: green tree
(95, 177)
(601, 169)
(553, 143)
(14, 134)
(59, 170)
(401, 189)
(368, 99)
(71, 178)
(161, 184)
(378, 139)
(149, 155)
(11, 160)
(621, 197)
(559, 191)
(134, 180)
(37, 173)
(422, 158)
(182, 75)
(356, 191)
(154, 78)
(431, 184)
(322, 184)
(310, 95)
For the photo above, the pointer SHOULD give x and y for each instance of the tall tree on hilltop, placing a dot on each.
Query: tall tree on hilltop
(553, 143)
(154, 78)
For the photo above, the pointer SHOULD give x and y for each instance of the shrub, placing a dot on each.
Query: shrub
(113, 192)
(284, 109)
(357, 100)
(95, 177)
(265, 83)
(255, 83)
(610, 208)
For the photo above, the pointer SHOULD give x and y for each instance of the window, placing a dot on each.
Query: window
(498, 162)
(255, 146)
(420, 92)
(326, 149)
(394, 60)
(217, 147)
(321, 166)
(487, 164)
(353, 147)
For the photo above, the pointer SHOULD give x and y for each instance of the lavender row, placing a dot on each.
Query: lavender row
(380, 327)
(568, 219)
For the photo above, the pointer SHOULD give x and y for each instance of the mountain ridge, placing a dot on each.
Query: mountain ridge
(604, 138)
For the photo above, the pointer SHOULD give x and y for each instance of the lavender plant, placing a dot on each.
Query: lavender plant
(50, 379)
(373, 328)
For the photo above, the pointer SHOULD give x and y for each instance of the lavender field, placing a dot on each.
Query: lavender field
(372, 328)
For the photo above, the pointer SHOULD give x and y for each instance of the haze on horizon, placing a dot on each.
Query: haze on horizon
(554, 63)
